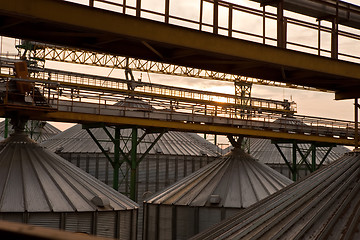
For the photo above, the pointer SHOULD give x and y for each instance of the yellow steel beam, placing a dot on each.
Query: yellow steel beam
(76, 25)
(153, 95)
(179, 126)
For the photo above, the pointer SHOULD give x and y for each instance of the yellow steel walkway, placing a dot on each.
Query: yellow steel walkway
(87, 103)
(62, 22)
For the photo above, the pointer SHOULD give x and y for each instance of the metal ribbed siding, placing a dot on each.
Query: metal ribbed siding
(184, 208)
(77, 140)
(38, 187)
(325, 205)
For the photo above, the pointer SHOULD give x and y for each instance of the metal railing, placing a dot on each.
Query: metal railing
(315, 44)
(145, 89)
(107, 102)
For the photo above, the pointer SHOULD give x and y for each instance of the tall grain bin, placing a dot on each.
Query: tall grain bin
(173, 157)
(209, 195)
(38, 187)
(36, 130)
(324, 205)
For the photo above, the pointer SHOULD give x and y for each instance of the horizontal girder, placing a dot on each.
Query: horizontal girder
(60, 22)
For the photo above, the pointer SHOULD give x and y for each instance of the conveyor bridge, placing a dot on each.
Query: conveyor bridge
(82, 99)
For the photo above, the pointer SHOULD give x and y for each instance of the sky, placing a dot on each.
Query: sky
(309, 103)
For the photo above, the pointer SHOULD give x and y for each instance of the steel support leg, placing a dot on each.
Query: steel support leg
(313, 158)
(133, 164)
(6, 129)
(294, 165)
(116, 160)
(356, 124)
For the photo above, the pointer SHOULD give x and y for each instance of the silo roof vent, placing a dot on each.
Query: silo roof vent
(214, 199)
(101, 201)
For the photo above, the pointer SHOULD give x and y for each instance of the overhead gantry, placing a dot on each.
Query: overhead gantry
(60, 22)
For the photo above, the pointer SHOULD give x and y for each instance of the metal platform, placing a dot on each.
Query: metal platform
(67, 102)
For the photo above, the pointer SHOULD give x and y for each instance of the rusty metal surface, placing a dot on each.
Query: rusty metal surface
(324, 205)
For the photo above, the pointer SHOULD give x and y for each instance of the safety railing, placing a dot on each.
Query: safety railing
(225, 18)
(142, 89)
(79, 100)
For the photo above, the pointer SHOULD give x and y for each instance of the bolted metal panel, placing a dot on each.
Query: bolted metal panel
(49, 220)
(79, 222)
(106, 224)
(165, 222)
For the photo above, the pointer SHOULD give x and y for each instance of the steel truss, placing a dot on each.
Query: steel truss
(126, 155)
(293, 164)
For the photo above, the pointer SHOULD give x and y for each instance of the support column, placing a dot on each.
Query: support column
(216, 17)
(116, 160)
(294, 172)
(281, 25)
(356, 124)
(6, 128)
(335, 34)
(313, 157)
(138, 8)
(133, 164)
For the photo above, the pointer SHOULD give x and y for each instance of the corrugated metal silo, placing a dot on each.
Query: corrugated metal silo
(37, 130)
(209, 195)
(173, 157)
(324, 205)
(38, 187)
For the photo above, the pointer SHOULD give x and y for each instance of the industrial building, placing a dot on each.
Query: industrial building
(141, 136)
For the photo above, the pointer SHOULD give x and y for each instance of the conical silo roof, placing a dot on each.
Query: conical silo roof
(33, 179)
(40, 130)
(77, 140)
(325, 205)
(237, 180)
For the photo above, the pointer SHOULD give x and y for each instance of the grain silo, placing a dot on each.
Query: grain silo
(324, 205)
(38, 187)
(36, 130)
(173, 157)
(209, 195)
